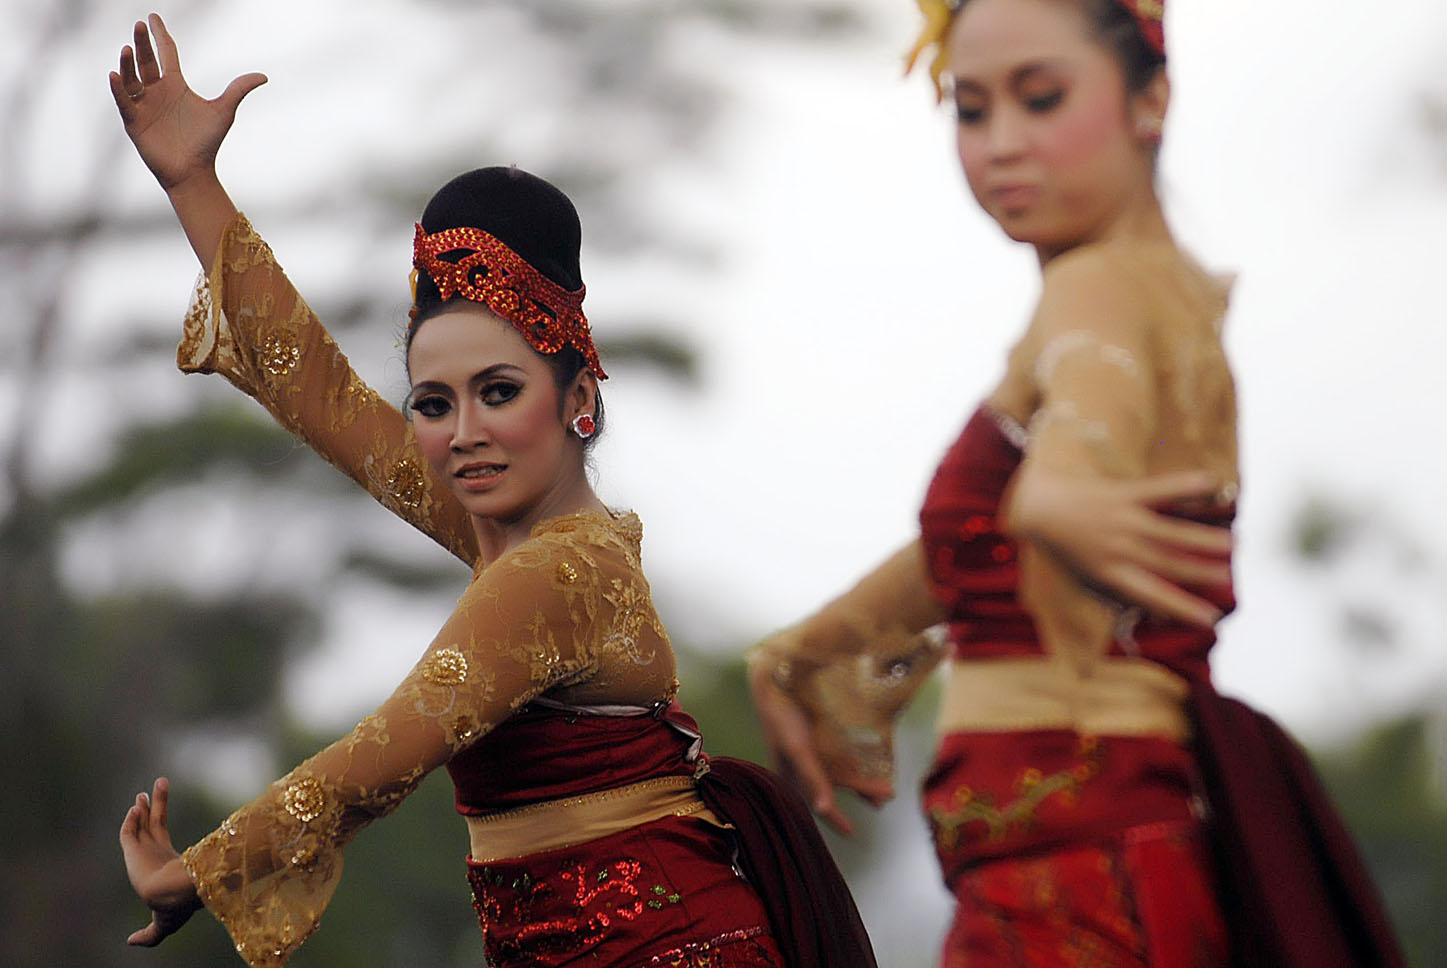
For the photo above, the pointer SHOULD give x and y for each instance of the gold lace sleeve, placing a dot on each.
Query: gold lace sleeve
(249, 324)
(535, 619)
(1127, 370)
(858, 661)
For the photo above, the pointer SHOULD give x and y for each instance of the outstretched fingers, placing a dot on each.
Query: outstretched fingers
(238, 89)
(808, 771)
(1162, 597)
(1176, 487)
(1190, 536)
(165, 45)
(146, 66)
(147, 937)
(160, 806)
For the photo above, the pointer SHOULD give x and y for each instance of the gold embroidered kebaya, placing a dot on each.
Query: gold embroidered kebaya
(567, 612)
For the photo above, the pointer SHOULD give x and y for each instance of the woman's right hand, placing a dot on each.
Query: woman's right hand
(155, 868)
(794, 743)
(176, 132)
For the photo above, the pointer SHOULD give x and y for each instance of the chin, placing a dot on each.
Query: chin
(484, 505)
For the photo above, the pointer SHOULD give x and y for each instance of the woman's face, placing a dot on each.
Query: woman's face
(1045, 134)
(487, 415)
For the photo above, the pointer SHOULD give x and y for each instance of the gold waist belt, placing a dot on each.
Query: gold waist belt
(1116, 696)
(575, 820)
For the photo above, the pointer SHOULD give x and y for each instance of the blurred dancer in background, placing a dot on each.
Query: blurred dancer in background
(1093, 801)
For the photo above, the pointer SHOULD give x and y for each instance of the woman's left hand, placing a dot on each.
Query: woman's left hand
(1116, 536)
(155, 869)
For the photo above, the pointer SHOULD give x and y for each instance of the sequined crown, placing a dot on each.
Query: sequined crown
(548, 316)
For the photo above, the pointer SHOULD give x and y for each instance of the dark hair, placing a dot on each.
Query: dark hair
(1117, 28)
(530, 216)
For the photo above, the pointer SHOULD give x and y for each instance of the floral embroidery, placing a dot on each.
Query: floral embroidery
(555, 917)
(446, 667)
(279, 352)
(406, 483)
(1034, 789)
(304, 799)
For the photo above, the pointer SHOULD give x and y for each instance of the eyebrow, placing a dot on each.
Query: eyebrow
(481, 376)
(1017, 76)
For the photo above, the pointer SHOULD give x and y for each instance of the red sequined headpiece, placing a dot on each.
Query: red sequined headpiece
(547, 315)
(1149, 15)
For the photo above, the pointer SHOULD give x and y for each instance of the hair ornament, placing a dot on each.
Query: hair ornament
(489, 272)
(1150, 17)
(938, 15)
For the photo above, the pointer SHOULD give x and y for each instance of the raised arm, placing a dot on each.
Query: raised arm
(247, 322)
(268, 872)
(828, 690)
(178, 133)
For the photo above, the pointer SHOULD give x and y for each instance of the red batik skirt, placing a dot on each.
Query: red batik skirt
(664, 893)
(1141, 899)
(1064, 853)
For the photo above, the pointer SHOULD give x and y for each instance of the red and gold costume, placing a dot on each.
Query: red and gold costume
(1081, 747)
(600, 833)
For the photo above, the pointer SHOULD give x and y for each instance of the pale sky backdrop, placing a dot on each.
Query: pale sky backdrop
(859, 307)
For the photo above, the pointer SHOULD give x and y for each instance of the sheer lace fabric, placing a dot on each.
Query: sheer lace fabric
(855, 664)
(247, 323)
(1125, 366)
(567, 613)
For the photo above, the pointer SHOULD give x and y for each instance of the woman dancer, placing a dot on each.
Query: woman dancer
(600, 832)
(1081, 745)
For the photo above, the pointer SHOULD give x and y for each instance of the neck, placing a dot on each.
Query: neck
(498, 536)
(1140, 219)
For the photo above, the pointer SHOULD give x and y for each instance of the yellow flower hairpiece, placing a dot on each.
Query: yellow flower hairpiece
(938, 15)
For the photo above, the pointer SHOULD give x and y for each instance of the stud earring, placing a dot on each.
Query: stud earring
(584, 425)
(1148, 129)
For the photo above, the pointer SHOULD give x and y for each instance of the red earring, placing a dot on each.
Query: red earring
(584, 425)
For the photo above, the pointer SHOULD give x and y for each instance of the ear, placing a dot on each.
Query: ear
(581, 396)
(1149, 108)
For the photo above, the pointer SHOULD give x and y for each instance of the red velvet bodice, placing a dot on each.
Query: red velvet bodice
(993, 795)
(545, 754)
(973, 568)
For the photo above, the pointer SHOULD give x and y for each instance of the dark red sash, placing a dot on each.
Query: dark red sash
(1292, 886)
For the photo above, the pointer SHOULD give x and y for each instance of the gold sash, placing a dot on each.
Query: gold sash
(576, 820)
(1115, 696)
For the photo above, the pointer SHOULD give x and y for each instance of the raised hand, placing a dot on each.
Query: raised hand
(176, 132)
(1114, 537)
(155, 869)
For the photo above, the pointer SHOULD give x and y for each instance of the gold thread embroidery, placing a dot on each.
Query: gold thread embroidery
(446, 667)
(406, 484)
(305, 799)
(279, 352)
